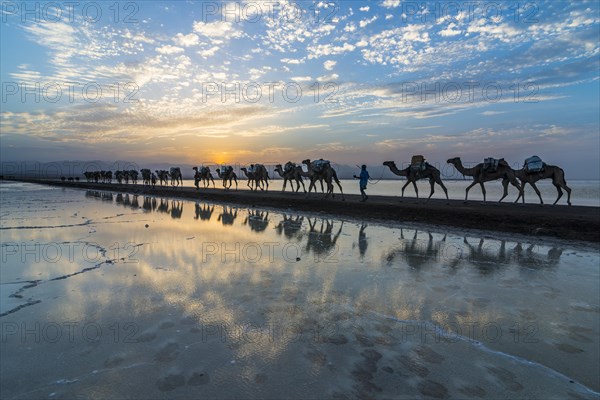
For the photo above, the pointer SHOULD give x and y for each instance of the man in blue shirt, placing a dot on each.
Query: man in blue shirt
(364, 179)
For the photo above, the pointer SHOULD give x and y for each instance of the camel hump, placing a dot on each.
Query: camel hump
(320, 164)
(534, 164)
(490, 164)
(417, 160)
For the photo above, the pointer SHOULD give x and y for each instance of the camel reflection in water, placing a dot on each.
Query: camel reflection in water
(323, 241)
(488, 256)
(418, 250)
(228, 215)
(290, 227)
(105, 196)
(531, 259)
(176, 209)
(257, 220)
(149, 204)
(204, 212)
(491, 256)
(417, 253)
(127, 201)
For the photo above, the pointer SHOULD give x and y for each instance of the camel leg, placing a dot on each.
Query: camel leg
(521, 194)
(439, 182)
(310, 186)
(213, 181)
(285, 183)
(469, 188)
(515, 183)
(537, 191)
(236, 184)
(303, 187)
(505, 186)
(415, 186)
(340, 186)
(563, 184)
(568, 189)
(431, 182)
(483, 191)
(404, 187)
(560, 193)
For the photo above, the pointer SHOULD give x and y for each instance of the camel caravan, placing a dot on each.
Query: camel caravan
(321, 171)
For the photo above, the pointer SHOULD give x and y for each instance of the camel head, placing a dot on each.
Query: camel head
(195, 169)
(244, 169)
(218, 170)
(389, 164)
(453, 160)
(307, 161)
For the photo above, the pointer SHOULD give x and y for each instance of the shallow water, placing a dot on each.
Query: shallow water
(107, 295)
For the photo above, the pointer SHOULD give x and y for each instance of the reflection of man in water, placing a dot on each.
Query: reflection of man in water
(362, 240)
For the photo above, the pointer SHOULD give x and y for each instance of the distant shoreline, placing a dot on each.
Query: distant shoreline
(560, 221)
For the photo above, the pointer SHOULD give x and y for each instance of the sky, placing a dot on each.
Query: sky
(352, 82)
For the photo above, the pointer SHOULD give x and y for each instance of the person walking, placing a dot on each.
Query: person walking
(364, 179)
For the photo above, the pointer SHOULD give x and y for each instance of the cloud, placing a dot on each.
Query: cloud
(295, 61)
(490, 113)
(368, 21)
(169, 50)
(209, 52)
(390, 3)
(329, 49)
(186, 40)
(329, 64)
(365, 9)
(450, 31)
(217, 31)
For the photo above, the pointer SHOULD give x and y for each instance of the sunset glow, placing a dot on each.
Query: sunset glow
(354, 82)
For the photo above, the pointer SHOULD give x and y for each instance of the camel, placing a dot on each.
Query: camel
(227, 175)
(549, 172)
(257, 174)
(413, 175)
(163, 176)
(203, 174)
(292, 172)
(480, 175)
(326, 172)
(176, 178)
(146, 176)
(133, 174)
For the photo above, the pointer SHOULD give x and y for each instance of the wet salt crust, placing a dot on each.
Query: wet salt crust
(112, 295)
